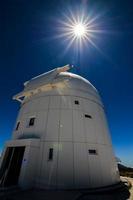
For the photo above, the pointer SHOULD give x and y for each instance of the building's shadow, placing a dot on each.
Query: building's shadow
(121, 193)
(116, 193)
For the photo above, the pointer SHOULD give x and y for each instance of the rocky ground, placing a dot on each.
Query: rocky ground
(130, 180)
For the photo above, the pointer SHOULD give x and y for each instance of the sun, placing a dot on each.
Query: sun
(79, 30)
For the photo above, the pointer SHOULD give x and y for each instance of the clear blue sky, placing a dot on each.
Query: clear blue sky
(28, 47)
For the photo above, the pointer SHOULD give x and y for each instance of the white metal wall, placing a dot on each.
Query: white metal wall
(61, 125)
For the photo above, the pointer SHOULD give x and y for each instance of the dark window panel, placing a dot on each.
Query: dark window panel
(32, 121)
(50, 157)
(18, 124)
(77, 102)
(92, 151)
(88, 116)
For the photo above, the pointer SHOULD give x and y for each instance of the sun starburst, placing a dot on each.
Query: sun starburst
(79, 29)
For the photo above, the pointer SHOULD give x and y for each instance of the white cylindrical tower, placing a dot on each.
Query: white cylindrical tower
(63, 114)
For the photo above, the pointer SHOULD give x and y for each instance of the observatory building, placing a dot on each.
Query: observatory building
(61, 138)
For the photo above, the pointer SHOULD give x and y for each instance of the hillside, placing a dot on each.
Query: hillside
(125, 171)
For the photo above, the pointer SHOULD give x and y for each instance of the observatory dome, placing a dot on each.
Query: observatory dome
(61, 138)
(75, 81)
(56, 79)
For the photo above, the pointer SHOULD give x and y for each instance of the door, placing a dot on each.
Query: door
(10, 169)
